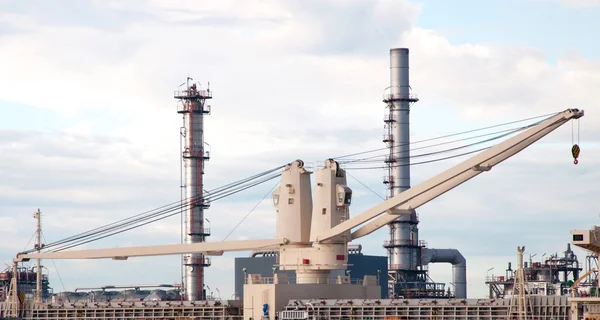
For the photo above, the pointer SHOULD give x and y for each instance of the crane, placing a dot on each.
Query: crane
(312, 238)
(575, 284)
(588, 240)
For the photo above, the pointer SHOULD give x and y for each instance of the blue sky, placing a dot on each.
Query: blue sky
(89, 132)
(550, 26)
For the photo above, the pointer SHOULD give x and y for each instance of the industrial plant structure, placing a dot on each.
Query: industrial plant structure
(408, 257)
(306, 271)
(552, 276)
(192, 105)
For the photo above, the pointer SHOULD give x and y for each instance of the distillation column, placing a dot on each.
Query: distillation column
(192, 104)
(403, 247)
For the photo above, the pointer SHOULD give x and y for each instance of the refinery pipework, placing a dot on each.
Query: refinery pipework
(192, 104)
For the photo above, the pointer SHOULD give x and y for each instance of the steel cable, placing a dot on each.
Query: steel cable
(213, 195)
(163, 215)
(449, 135)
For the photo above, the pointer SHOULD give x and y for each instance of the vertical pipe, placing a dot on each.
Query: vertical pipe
(38, 284)
(193, 157)
(181, 193)
(459, 267)
(195, 214)
(404, 253)
(400, 88)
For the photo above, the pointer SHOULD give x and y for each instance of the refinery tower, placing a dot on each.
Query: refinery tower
(192, 105)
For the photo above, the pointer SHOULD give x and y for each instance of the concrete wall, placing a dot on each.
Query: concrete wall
(361, 265)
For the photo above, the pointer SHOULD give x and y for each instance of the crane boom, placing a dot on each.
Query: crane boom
(576, 283)
(447, 180)
(209, 248)
(448, 185)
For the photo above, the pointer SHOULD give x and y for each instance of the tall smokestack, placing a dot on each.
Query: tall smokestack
(404, 252)
(400, 91)
(193, 108)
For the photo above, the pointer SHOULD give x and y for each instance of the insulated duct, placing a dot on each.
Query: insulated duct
(459, 267)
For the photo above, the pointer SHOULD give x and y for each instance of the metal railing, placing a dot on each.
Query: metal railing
(399, 96)
(192, 94)
(389, 118)
(401, 242)
(399, 266)
(493, 278)
(293, 315)
(293, 280)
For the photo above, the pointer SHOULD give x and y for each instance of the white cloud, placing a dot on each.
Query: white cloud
(580, 3)
(290, 80)
(490, 82)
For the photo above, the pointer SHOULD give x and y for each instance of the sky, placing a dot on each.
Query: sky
(89, 132)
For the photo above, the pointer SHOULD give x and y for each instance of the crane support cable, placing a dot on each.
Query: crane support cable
(364, 185)
(100, 236)
(371, 159)
(174, 208)
(165, 214)
(451, 135)
(510, 131)
(251, 210)
(422, 162)
(213, 195)
(144, 216)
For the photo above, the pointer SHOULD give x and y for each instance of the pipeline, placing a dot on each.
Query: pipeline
(459, 267)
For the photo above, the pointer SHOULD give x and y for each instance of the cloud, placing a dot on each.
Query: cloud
(580, 3)
(108, 16)
(330, 28)
(291, 80)
(487, 81)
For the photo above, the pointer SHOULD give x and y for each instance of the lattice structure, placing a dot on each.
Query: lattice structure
(520, 306)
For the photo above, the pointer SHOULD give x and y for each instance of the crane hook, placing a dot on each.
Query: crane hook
(575, 152)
